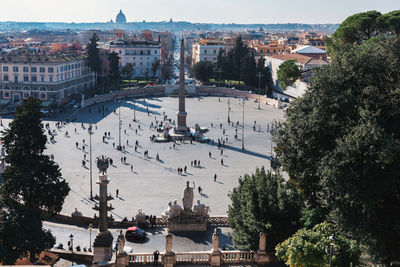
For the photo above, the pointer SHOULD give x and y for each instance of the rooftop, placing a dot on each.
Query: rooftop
(25, 56)
(308, 50)
(293, 56)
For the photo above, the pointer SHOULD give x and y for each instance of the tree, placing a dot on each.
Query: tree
(115, 74)
(288, 73)
(357, 28)
(127, 70)
(155, 66)
(93, 54)
(263, 203)
(390, 22)
(166, 72)
(341, 144)
(32, 183)
(311, 247)
(203, 70)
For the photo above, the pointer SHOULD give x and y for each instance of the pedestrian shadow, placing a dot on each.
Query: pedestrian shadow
(220, 182)
(204, 195)
(120, 198)
(244, 151)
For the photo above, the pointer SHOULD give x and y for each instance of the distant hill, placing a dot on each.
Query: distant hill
(166, 26)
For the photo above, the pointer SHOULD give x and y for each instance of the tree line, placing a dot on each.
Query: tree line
(237, 64)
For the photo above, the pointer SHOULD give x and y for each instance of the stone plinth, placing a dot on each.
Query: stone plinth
(188, 227)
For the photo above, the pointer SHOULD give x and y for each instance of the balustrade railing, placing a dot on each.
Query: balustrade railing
(238, 256)
(142, 258)
(192, 257)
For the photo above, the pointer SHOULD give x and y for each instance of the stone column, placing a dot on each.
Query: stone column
(262, 257)
(216, 253)
(182, 112)
(102, 247)
(169, 256)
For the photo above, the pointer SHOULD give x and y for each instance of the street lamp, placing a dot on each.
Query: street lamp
(90, 131)
(71, 237)
(90, 237)
(229, 109)
(119, 147)
(259, 75)
(243, 126)
(134, 109)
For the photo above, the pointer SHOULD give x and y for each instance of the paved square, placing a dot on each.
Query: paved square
(153, 184)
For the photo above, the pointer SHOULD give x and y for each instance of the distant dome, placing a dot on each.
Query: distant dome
(120, 19)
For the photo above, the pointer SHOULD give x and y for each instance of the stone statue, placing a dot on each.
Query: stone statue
(121, 243)
(167, 213)
(175, 209)
(102, 164)
(188, 196)
(201, 209)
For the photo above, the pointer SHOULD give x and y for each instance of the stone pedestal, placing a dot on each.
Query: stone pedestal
(102, 247)
(182, 128)
(215, 259)
(262, 256)
(169, 257)
(189, 227)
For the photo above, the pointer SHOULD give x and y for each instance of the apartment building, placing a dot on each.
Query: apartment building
(207, 50)
(47, 77)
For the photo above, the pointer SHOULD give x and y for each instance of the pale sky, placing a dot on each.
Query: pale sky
(212, 11)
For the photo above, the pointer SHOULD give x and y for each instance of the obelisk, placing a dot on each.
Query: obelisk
(102, 247)
(182, 128)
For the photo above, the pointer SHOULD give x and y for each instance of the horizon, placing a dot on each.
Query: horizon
(221, 12)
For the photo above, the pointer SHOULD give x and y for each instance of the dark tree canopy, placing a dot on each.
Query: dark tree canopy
(390, 22)
(115, 74)
(127, 70)
(32, 182)
(288, 72)
(203, 70)
(155, 65)
(264, 203)
(341, 143)
(93, 54)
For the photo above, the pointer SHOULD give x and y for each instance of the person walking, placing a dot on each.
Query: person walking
(215, 177)
(156, 254)
(117, 192)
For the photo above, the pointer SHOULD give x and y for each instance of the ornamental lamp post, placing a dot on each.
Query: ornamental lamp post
(90, 131)
(90, 237)
(259, 75)
(71, 237)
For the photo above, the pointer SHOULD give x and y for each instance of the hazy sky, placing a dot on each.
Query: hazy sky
(218, 11)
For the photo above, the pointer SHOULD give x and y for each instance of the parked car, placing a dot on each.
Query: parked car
(134, 233)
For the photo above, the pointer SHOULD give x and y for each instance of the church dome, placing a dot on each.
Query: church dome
(120, 19)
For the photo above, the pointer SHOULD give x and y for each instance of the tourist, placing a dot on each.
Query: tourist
(195, 162)
(117, 191)
(209, 154)
(191, 163)
(215, 177)
(111, 161)
(222, 152)
(131, 168)
(198, 163)
(135, 148)
(76, 144)
(113, 145)
(222, 161)
(185, 169)
(156, 254)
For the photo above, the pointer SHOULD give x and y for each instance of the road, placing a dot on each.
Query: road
(155, 240)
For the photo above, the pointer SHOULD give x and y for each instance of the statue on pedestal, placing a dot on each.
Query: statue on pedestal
(188, 196)
(201, 210)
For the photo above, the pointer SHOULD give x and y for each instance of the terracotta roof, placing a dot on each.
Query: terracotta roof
(299, 58)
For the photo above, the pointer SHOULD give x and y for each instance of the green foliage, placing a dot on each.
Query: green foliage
(311, 247)
(390, 22)
(264, 203)
(288, 73)
(127, 70)
(31, 179)
(341, 144)
(114, 74)
(93, 54)
(154, 66)
(203, 70)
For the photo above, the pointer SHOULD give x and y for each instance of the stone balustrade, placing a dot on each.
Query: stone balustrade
(237, 256)
(141, 258)
(196, 257)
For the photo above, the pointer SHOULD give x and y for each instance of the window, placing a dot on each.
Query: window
(126, 52)
(5, 68)
(26, 78)
(15, 69)
(42, 96)
(42, 78)
(120, 52)
(26, 95)
(141, 52)
(6, 94)
(148, 52)
(42, 69)
(33, 69)
(15, 78)
(134, 64)
(26, 69)
(61, 69)
(205, 51)
(51, 79)
(33, 79)
(134, 52)
(215, 51)
(5, 78)
(50, 69)
(155, 52)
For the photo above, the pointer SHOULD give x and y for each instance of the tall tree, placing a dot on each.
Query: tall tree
(32, 182)
(115, 74)
(155, 65)
(264, 203)
(390, 22)
(288, 72)
(127, 71)
(341, 143)
(203, 70)
(93, 54)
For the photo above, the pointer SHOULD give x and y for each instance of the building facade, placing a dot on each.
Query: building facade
(141, 54)
(47, 77)
(206, 51)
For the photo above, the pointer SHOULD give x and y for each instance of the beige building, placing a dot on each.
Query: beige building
(141, 54)
(207, 50)
(46, 77)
